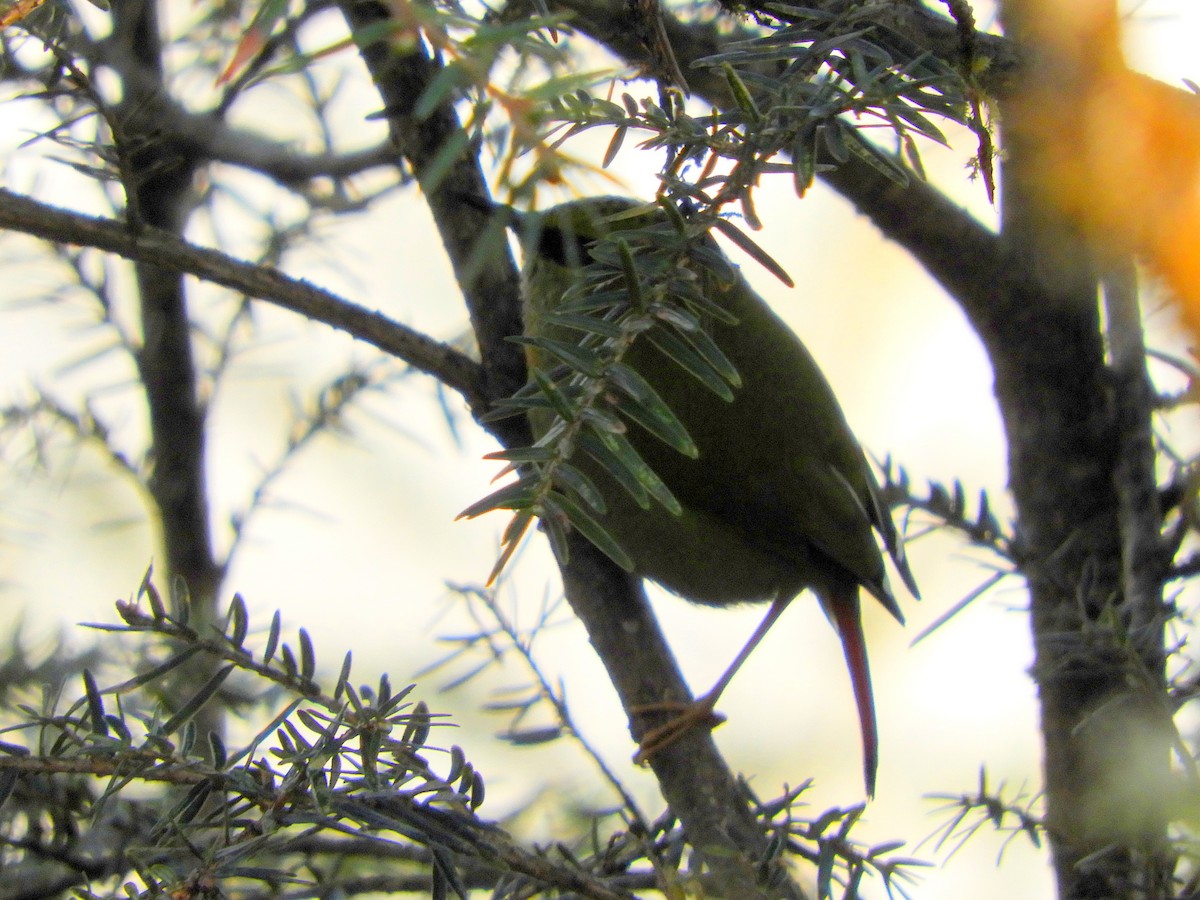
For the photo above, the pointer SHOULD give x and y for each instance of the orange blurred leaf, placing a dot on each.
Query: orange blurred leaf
(1116, 152)
(16, 11)
(255, 38)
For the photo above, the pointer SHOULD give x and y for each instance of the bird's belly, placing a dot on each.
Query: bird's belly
(696, 556)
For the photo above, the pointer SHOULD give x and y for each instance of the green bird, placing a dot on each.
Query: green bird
(774, 493)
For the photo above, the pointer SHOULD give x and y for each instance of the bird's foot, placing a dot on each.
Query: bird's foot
(697, 714)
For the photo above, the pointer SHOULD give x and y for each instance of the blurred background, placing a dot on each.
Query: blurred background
(360, 539)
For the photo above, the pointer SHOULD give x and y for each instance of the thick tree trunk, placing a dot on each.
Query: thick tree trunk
(1076, 407)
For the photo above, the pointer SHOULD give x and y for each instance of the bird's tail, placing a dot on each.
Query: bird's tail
(842, 607)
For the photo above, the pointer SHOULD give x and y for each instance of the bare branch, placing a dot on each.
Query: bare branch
(451, 367)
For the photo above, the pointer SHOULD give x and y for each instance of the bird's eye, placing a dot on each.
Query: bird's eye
(564, 246)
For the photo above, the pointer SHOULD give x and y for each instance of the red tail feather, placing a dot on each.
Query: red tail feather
(843, 611)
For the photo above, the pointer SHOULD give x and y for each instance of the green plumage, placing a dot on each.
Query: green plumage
(780, 496)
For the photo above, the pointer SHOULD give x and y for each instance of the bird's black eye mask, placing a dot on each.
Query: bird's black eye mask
(564, 246)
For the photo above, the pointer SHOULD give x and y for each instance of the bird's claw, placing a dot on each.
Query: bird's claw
(698, 714)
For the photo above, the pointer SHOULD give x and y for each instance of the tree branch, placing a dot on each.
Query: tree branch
(453, 368)
(458, 200)
(957, 251)
(156, 174)
(206, 136)
(693, 777)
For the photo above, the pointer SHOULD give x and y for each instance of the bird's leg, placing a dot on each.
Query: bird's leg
(702, 710)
